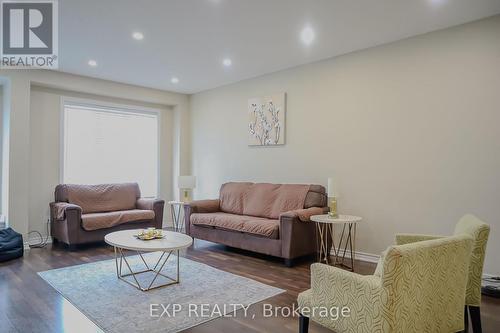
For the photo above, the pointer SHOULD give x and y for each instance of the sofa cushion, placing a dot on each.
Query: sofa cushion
(240, 223)
(231, 197)
(99, 198)
(94, 221)
(316, 197)
(264, 200)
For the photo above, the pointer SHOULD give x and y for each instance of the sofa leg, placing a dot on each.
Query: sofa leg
(475, 318)
(303, 324)
(289, 262)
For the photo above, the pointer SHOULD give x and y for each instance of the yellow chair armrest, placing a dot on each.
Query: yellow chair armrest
(332, 284)
(402, 239)
(333, 287)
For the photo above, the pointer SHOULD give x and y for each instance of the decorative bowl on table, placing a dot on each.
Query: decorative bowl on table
(150, 234)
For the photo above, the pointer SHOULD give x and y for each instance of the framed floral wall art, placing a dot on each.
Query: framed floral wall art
(266, 120)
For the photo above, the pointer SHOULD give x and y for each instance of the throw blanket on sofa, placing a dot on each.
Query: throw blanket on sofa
(262, 200)
(100, 198)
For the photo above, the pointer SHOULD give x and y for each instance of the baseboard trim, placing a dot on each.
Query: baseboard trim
(489, 276)
(374, 258)
(362, 256)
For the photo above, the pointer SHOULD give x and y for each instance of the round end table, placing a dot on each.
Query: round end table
(326, 236)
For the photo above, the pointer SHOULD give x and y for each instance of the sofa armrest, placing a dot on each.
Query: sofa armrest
(148, 203)
(402, 239)
(305, 214)
(155, 205)
(204, 206)
(199, 206)
(62, 210)
(65, 221)
(298, 238)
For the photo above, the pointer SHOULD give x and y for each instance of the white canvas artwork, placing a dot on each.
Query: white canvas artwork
(266, 120)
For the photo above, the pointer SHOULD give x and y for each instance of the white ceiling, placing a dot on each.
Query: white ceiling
(189, 39)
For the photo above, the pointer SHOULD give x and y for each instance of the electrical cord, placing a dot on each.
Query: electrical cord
(42, 242)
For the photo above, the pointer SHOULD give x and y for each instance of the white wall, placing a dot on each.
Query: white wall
(45, 121)
(31, 170)
(410, 130)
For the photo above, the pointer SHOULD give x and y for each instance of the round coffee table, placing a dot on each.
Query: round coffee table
(170, 243)
(326, 235)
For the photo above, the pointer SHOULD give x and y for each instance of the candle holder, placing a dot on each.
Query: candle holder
(332, 203)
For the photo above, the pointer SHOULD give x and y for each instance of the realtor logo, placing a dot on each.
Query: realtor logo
(29, 34)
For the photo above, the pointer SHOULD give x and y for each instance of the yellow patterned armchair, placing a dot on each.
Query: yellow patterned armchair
(420, 287)
(479, 231)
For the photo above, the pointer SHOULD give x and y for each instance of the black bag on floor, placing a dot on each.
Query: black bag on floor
(11, 244)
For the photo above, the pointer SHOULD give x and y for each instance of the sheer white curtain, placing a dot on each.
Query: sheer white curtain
(110, 145)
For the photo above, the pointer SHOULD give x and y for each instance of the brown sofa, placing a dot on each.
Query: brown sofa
(86, 213)
(272, 219)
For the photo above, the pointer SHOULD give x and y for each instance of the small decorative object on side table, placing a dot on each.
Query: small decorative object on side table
(326, 233)
(332, 200)
(176, 209)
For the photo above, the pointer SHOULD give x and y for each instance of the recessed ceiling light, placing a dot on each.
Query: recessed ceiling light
(92, 63)
(227, 62)
(174, 80)
(307, 35)
(138, 35)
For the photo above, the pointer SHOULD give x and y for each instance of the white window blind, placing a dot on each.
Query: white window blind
(110, 145)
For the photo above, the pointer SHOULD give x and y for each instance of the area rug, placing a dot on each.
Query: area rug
(204, 293)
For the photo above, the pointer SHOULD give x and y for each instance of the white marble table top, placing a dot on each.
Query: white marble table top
(125, 239)
(176, 202)
(325, 218)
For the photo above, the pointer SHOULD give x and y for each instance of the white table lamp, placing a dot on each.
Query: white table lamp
(186, 184)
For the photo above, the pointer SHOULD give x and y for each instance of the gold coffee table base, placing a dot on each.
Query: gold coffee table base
(160, 263)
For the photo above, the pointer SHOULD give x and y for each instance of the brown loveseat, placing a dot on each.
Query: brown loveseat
(272, 219)
(86, 213)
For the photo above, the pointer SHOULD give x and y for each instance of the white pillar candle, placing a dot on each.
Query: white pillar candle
(331, 188)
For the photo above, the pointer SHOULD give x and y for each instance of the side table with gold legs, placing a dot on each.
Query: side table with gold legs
(346, 243)
(177, 211)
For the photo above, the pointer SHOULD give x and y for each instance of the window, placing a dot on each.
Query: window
(110, 145)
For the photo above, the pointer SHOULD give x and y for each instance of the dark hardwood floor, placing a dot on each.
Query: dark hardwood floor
(29, 304)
